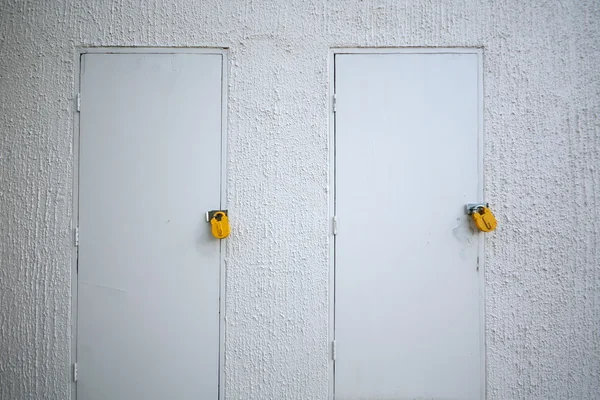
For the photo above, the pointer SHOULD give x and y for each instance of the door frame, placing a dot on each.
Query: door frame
(78, 64)
(479, 51)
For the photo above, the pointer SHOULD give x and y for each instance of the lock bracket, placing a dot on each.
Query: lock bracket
(211, 213)
(471, 208)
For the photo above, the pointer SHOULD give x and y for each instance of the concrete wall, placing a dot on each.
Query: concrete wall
(542, 102)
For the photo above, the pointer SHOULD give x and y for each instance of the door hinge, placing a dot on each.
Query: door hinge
(75, 372)
(78, 102)
(335, 103)
(335, 225)
(76, 236)
(333, 350)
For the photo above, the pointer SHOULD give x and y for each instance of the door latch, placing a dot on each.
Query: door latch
(482, 216)
(219, 223)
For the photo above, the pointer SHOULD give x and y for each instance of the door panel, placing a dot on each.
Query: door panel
(148, 269)
(408, 318)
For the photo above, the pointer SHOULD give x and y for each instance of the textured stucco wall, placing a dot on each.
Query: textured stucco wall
(542, 106)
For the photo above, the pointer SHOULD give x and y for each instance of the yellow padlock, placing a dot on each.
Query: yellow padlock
(219, 225)
(484, 219)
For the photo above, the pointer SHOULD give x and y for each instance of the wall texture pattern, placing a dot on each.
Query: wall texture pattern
(542, 165)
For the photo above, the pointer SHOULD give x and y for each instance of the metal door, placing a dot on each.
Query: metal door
(408, 267)
(148, 268)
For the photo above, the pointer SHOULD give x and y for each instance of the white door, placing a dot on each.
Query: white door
(148, 268)
(408, 283)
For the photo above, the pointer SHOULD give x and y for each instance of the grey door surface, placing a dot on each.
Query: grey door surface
(148, 268)
(408, 283)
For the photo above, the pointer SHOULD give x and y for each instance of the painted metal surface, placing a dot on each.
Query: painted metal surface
(408, 285)
(149, 269)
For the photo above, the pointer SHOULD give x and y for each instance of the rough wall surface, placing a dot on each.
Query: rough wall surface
(542, 126)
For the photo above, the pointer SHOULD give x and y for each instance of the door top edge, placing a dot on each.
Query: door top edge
(151, 50)
(407, 50)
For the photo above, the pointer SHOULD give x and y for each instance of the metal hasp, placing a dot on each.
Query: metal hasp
(211, 213)
(471, 208)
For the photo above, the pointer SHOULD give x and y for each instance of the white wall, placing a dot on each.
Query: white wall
(542, 96)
